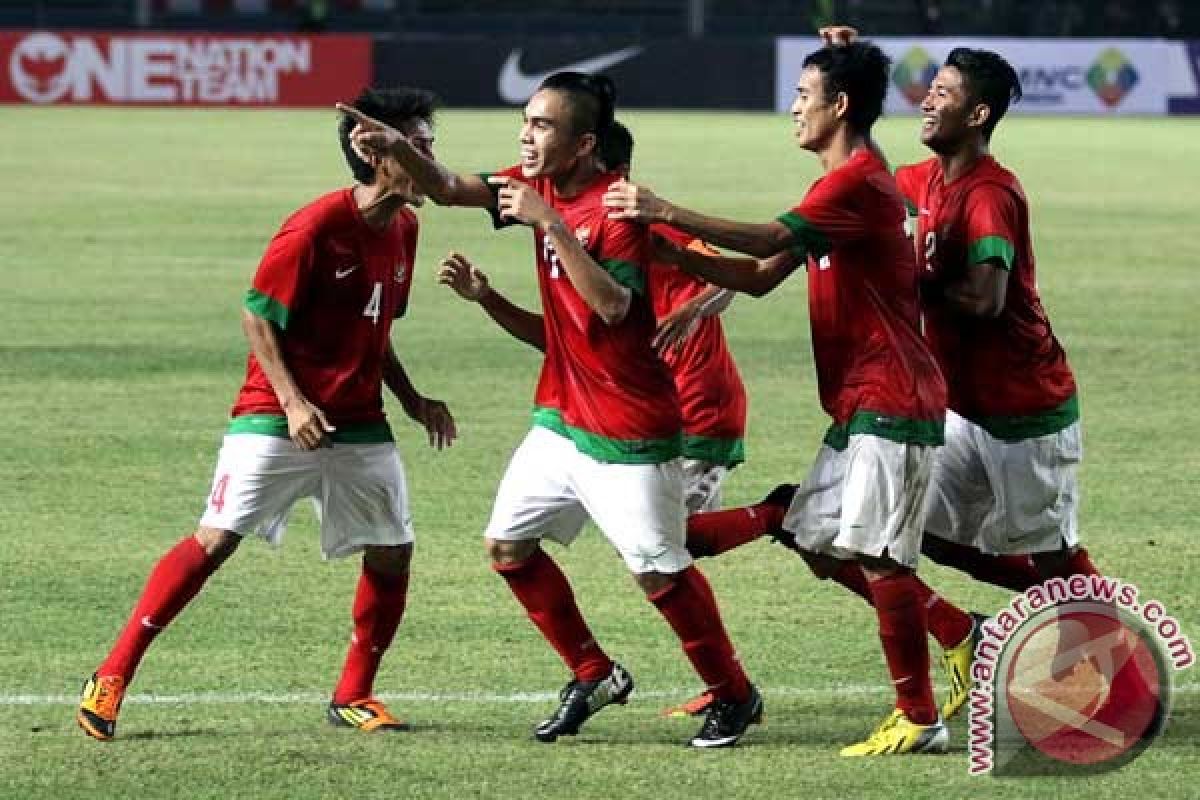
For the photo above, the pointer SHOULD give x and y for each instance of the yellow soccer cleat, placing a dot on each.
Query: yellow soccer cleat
(365, 715)
(897, 736)
(956, 661)
(99, 704)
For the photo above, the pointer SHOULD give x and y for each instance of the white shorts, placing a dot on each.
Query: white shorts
(702, 482)
(550, 489)
(1003, 497)
(866, 500)
(358, 491)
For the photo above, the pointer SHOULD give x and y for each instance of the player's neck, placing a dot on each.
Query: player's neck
(377, 205)
(840, 148)
(576, 179)
(959, 162)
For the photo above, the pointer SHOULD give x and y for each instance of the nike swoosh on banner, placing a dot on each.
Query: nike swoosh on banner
(515, 86)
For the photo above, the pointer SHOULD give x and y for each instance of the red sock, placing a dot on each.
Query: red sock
(716, 532)
(543, 590)
(173, 582)
(902, 630)
(851, 575)
(947, 623)
(378, 608)
(691, 609)
(1017, 573)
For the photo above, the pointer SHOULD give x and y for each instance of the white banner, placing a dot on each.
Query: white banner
(1058, 76)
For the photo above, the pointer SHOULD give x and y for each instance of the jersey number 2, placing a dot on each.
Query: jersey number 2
(372, 309)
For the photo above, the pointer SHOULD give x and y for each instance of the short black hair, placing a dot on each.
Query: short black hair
(615, 148)
(989, 79)
(860, 70)
(399, 107)
(593, 99)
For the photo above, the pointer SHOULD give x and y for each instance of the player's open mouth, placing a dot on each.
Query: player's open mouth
(928, 122)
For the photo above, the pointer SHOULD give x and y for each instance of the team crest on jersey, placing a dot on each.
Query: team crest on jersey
(582, 234)
(401, 271)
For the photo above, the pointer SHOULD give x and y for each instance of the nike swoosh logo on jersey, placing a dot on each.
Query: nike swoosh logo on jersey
(341, 273)
(516, 86)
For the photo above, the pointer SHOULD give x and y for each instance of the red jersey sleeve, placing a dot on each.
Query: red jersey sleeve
(622, 249)
(828, 214)
(281, 276)
(993, 223)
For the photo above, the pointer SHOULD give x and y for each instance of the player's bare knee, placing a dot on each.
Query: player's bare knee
(505, 552)
(1053, 562)
(822, 567)
(217, 543)
(878, 567)
(388, 559)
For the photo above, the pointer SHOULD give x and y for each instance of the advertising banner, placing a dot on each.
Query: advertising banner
(1185, 78)
(667, 73)
(1067, 76)
(46, 67)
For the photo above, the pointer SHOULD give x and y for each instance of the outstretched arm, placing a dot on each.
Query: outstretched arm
(443, 186)
(681, 322)
(629, 201)
(753, 276)
(472, 285)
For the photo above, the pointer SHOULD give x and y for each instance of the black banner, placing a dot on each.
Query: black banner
(673, 73)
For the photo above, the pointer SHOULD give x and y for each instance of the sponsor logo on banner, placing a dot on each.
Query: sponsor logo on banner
(45, 67)
(913, 73)
(1072, 76)
(516, 86)
(1112, 77)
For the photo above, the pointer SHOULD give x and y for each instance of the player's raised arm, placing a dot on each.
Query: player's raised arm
(598, 288)
(443, 186)
(626, 200)
(472, 285)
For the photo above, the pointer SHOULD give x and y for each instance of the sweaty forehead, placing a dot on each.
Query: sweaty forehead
(951, 78)
(811, 80)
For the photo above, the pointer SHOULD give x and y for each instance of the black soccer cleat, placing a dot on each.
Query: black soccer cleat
(582, 699)
(727, 721)
(781, 497)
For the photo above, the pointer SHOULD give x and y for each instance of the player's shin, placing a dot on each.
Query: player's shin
(902, 631)
(379, 604)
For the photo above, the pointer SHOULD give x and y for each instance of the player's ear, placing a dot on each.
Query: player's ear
(979, 115)
(841, 105)
(587, 145)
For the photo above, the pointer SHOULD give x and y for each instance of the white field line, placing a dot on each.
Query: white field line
(481, 698)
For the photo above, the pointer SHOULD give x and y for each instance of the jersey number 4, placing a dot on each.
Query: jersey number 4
(372, 309)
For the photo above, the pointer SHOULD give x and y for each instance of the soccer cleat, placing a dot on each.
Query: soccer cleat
(896, 735)
(956, 661)
(781, 497)
(726, 721)
(691, 708)
(365, 715)
(582, 699)
(99, 704)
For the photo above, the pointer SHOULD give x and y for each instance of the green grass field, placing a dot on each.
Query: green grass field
(128, 240)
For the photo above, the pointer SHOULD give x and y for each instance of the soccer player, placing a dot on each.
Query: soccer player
(863, 502)
(689, 340)
(606, 438)
(309, 420)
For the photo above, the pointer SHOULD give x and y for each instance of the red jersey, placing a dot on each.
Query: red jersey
(601, 385)
(712, 398)
(333, 285)
(1008, 374)
(875, 373)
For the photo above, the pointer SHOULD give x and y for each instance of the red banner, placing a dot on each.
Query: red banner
(156, 69)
